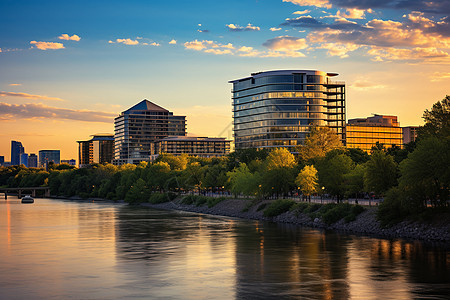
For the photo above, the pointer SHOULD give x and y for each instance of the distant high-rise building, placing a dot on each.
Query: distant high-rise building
(2, 160)
(24, 159)
(138, 127)
(16, 150)
(409, 134)
(278, 108)
(99, 149)
(46, 156)
(364, 133)
(32, 160)
(70, 162)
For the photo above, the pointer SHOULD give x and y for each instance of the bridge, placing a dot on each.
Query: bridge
(21, 191)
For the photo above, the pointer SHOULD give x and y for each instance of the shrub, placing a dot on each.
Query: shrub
(278, 207)
(312, 208)
(261, 206)
(336, 213)
(250, 204)
(201, 200)
(156, 198)
(189, 200)
(172, 196)
(211, 201)
(391, 211)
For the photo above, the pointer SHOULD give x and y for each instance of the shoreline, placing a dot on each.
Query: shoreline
(435, 233)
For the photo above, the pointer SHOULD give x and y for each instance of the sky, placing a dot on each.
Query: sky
(67, 68)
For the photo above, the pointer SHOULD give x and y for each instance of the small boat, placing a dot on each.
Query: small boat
(27, 199)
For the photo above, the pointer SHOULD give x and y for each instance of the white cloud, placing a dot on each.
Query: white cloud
(301, 12)
(338, 49)
(47, 45)
(249, 27)
(275, 29)
(173, 42)
(127, 41)
(318, 3)
(218, 51)
(195, 45)
(67, 37)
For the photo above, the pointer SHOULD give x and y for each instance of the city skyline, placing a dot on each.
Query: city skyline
(68, 69)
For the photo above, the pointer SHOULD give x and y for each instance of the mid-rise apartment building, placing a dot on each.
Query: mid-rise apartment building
(99, 149)
(409, 134)
(136, 129)
(364, 133)
(278, 108)
(195, 146)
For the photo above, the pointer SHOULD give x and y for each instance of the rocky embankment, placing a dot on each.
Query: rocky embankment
(436, 232)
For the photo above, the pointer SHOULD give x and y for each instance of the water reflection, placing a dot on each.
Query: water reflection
(61, 250)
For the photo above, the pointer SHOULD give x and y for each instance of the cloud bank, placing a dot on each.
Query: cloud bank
(41, 111)
(28, 96)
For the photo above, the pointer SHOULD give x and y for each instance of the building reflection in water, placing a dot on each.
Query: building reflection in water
(195, 256)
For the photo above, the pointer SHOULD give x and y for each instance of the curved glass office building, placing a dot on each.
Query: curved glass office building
(278, 108)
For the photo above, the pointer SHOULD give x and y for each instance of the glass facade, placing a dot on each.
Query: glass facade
(16, 150)
(195, 146)
(278, 108)
(46, 156)
(138, 127)
(365, 133)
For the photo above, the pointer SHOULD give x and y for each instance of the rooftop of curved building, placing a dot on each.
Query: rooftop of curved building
(285, 72)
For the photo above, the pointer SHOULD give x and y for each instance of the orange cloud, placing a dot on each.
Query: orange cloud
(285, 46)
(67, 37)
(47, 45)
(28, 96)
(41, 111)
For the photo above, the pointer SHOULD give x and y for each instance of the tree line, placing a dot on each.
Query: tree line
(410, 179)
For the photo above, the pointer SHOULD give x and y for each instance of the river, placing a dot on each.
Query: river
(59, 249)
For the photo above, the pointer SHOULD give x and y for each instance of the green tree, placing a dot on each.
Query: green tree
(307, 180)
(426, 171)
(138, 192)
(318, 143)
(280, 158)
(242, 181)
(333, 169)
(380, 173)
(437, 120)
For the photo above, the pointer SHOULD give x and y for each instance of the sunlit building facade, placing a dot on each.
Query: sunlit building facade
(365, 133)
(99, 149)
(278, 108)
(137, 128)
(195, 146)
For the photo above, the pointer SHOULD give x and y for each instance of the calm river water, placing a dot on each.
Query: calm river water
(56, 249)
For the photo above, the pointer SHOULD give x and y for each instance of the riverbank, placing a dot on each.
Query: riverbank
(436, 231)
